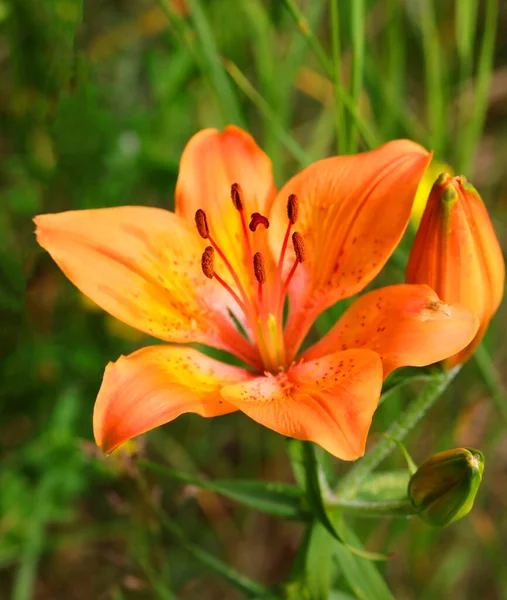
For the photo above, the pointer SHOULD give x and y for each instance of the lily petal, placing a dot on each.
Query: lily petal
(154, 386)
(329, 401)
(353, 211)
(211, 162)
(406, 324)
(142, 265)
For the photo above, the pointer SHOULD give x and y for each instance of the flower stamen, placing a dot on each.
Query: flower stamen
(207, 261)
(203, 229)
(237, 200)
(202, 224)
(207, 265)
(300, 252)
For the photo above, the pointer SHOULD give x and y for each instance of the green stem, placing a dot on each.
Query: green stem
(399, 429)
(364, 508)
(341, 132)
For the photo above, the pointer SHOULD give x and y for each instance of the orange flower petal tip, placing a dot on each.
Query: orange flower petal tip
(154, 386)
(456, 252)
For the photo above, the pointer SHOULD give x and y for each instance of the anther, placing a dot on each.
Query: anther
(256, 220)
(259, 267)
(202, 224)
(237, 196)
(299, 246)
(207, 261)
(293, 208)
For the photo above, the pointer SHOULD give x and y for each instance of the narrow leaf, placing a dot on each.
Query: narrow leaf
(362, 575)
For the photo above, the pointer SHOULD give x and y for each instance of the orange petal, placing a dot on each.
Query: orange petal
(143, 266)
(211, 162)
(456, 252)
(407, 325)
(329, 401)
(353, 211)
(154, 386)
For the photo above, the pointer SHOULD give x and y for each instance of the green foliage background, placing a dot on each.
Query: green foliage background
(96, 105)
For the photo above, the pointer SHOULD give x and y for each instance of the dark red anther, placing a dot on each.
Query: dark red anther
(237, 196)
(299, 246)
(207, 261)
(202, 224)
(293, 208)
(259, 267)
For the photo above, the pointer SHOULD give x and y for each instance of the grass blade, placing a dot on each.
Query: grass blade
(341, 130)
(473, 131)
(356, 80)
(269, 114)
(434, 80)
(228, 100)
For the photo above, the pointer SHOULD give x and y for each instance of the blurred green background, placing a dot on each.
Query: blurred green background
(96, 105)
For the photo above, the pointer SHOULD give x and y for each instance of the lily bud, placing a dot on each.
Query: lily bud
(444, 487)
(456, 252)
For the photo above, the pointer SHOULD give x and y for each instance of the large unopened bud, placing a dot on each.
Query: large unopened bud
(444, 487)
(456, 252)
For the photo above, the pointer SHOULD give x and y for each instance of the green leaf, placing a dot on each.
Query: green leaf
(361, 574)
(337, 595)
(318, 570)
(386, 485)
(277, 499)
(213, 63)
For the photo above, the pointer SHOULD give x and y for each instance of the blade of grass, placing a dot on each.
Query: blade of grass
(182, 32)
(356, 78)
(434, 81)
(473, 131)
(228, 100)
(351, 482)
(24, 580)
(269, 114)
(341, 127)
(491, 379)
(366, 129)
(397, 110)
(395, 80)
(295, 49)
(466, 23)
(266, 63)
(242, 582)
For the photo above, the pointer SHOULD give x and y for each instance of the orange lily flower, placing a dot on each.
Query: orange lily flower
(218, 272)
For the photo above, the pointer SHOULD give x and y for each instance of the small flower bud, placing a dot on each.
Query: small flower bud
(444, 487)
(456, 253)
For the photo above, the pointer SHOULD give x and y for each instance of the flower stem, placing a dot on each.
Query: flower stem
(364, 508)
(399, 429)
